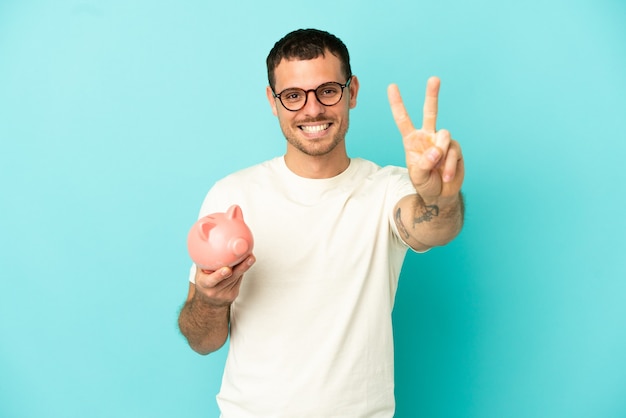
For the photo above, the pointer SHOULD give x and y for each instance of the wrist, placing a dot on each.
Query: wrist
(209, 305)
(440, 201)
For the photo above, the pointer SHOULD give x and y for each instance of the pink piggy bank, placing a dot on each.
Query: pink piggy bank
(220, 239)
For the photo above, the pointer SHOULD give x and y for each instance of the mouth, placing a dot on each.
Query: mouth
(314, 129)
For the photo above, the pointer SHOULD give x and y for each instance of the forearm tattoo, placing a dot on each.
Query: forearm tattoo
(429, 213)
(401, 227)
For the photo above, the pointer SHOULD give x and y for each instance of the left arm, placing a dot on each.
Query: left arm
(434, 215)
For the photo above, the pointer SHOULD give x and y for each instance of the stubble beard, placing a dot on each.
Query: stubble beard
(314, 148)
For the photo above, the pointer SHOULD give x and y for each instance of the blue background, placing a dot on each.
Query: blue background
(116, 117)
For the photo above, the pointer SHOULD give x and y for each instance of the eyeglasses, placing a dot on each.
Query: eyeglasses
(328, 94)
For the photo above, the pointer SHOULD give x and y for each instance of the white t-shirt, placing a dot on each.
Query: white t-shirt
(311, 332)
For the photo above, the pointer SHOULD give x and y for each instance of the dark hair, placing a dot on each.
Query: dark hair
(307, 44)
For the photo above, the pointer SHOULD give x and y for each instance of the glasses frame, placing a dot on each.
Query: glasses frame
(306, 94)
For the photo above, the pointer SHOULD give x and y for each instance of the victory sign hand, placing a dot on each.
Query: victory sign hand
(433, 158)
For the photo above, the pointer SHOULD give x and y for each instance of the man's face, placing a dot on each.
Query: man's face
(314, 130)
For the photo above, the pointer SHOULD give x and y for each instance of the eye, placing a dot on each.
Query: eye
(292, 95)
(328, 90)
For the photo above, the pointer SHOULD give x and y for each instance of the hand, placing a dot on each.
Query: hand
(433, 158)
(220, 288)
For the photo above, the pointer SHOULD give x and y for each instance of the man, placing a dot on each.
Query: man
(310, 322)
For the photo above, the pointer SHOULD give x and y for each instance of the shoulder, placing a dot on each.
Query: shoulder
(237, 187)
(393, 181)
(248, 174)
(370, 169)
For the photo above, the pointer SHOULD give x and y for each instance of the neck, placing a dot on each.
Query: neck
(317, 167)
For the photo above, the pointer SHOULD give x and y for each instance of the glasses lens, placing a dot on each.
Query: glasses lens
(329, 93)
(293, 98)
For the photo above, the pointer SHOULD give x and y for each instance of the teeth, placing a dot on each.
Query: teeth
(315, 128)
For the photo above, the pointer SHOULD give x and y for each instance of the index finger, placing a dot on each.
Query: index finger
(429, 123)
(400, 115)
(209, 278)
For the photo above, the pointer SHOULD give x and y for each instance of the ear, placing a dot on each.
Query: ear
(234, 212)
(204, 227)
(354, 91)
(271, 99)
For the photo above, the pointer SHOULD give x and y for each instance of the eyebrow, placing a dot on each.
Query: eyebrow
(302, 88)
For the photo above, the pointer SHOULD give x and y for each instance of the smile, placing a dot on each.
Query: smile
(314, 128)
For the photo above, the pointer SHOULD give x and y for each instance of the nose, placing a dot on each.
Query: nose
(313, 107)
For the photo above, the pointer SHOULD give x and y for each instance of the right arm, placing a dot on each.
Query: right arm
(204, 319)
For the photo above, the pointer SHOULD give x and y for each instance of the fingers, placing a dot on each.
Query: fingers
(429, 123)
(450, 164)
(436, 155)
(442, 140)
(444, 156)
(431, 106)
(220, 288)
(244, 266)
(433, 157)
(449, 152)
(215, 279)
(400, 115)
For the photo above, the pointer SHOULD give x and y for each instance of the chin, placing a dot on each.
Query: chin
(316, 149)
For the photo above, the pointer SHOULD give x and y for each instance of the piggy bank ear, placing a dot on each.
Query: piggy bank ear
(234, 212)
(204, 227)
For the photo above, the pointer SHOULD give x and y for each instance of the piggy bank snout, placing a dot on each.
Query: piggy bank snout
(239, 246)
